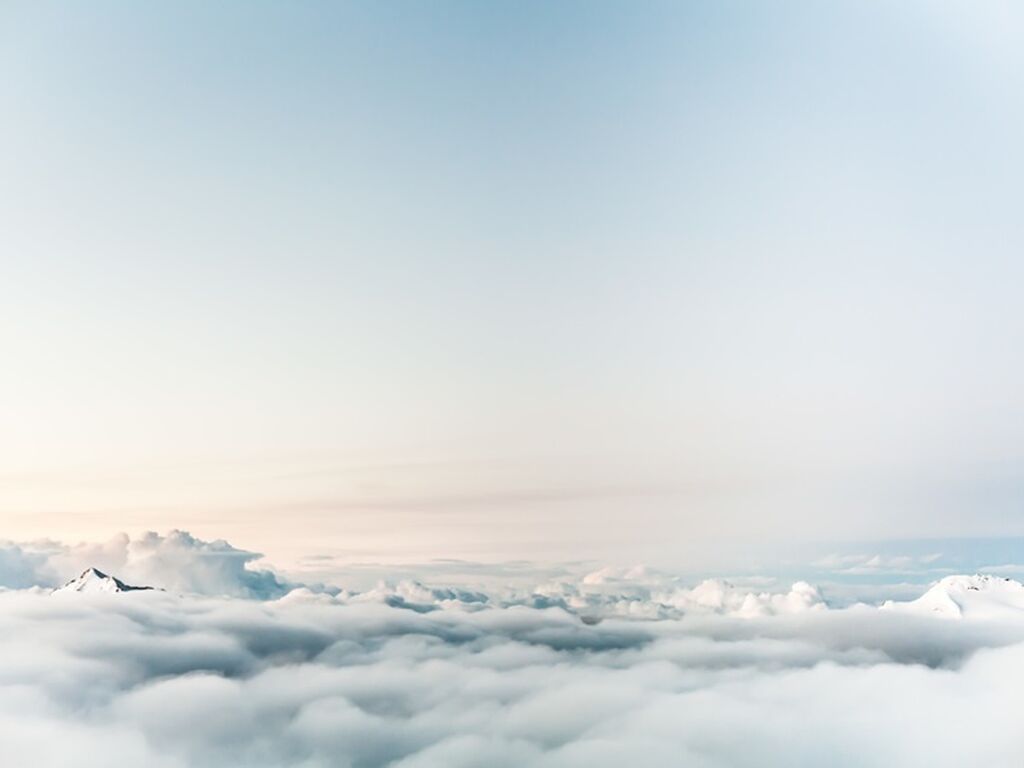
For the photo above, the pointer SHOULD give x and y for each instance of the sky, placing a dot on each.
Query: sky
(667, 282)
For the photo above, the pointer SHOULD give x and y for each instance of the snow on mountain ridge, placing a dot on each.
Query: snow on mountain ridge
(980, 596)
(95, 581)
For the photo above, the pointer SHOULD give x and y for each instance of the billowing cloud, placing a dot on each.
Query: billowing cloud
(176, 561)
(182, 563)
(23, 567)
(621, 667)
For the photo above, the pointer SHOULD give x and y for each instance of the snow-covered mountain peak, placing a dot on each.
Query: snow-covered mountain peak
(978, 596)
(95, 581)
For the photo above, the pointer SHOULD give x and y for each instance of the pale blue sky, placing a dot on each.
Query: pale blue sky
(523, 279)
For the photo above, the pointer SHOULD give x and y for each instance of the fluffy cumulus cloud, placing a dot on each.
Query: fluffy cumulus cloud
(153, 678)
(24, 567)
(182, 563)
(618, 667)
(176, 561)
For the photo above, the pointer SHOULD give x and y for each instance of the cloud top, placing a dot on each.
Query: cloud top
(617, 667)
(154, 678)
(177, 561)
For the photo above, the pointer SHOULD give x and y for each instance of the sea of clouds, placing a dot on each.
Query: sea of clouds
(230, 665)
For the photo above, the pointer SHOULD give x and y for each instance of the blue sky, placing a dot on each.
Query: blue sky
(511, 279)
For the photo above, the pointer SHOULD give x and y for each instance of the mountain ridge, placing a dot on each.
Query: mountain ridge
(95, 581)
(960, 596)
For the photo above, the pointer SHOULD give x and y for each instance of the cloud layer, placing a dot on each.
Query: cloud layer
(311, 681)
(620, 667)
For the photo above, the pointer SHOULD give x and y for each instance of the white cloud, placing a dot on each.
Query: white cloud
(314, 680)
(176, 561)
(620, 666)
(21, 567)
(182, 563)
